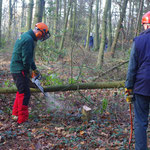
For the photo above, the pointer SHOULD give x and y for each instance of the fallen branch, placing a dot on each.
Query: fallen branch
(109, 70)
(80, 86)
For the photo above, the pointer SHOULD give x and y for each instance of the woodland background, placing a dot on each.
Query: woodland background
(64, 59)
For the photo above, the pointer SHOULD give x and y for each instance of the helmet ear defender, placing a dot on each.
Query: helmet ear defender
(38, 34)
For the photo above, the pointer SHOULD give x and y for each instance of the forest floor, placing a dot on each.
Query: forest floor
(55, 123)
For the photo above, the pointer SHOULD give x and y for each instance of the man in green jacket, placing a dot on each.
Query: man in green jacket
(22, 62)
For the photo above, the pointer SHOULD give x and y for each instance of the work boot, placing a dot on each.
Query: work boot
(23, 113)
(15, 106)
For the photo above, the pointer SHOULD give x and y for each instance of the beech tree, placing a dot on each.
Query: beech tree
(30, 13)
(65, 26)
(10, 19)
(89, 24)
(39, 11)
(103, 37)
(122, 15)
(22, 14)
(0, 21)
(96, 42)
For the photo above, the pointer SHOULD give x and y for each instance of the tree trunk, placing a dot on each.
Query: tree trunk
(96, 39)
(65, 26)
(131, 29)
(109, 28)
(64, 9)
(56, 22)
(22, 14)
(74, 17)
(138, 25)
(129, 20)
(0, 23)
(10, 19)
(44, 13)
(122, 15)
(100, 12)
(30, 13)
(71, 19)
(38, 11)
(81, 86)
(89, 25)
(103, 38)
(60, 8)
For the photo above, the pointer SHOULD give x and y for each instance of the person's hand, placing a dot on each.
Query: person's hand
(128, 95)
(35, 73)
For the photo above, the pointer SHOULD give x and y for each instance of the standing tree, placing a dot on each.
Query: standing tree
(65, 26)
(10, 19)
(122, 15)
(0, 22)
(44, 13)
(109, 27)
(89, 24)
(138, 25)
(103, 37)
(74, 17)
(64, 9)
(38, 11)
(56, 21)
(30, 13)
(96, 41)
(22, 14)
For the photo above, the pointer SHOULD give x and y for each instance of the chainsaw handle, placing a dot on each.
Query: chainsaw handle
(39, 77)
(36, 76)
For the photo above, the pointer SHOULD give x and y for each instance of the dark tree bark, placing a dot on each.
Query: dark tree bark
(89, 24)
(0, 22)
(109, 28)
(122, 15)
(96, 39)
(138, 25)
(103, 38)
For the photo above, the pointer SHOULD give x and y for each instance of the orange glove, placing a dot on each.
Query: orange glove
(35, 73)
(128, 95)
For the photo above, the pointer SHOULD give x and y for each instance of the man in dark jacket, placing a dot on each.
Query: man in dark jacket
(22, 62)
(138, 82)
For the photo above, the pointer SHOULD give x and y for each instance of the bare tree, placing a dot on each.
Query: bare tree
(65, 26)
(89, 24)
(103, 37)
(0, 20)
(30, 13)
(10, 19)
(122, 15)
(96, 41)
(22, 14)
(39, 11)
(109, 27)
(56, 20)
(140, 12)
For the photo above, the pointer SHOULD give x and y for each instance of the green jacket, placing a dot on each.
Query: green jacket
(23, 53)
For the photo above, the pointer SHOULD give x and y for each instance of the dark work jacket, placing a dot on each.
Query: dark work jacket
(141, 84)
(22, 57)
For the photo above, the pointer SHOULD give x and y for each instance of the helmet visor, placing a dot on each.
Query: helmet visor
(47, 35)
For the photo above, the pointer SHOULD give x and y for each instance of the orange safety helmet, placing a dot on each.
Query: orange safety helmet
(44, 34)
(146, 18)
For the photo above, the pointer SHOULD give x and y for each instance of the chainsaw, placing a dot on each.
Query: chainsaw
(36, 80)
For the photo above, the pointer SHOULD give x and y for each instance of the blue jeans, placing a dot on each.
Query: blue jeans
(141, 111)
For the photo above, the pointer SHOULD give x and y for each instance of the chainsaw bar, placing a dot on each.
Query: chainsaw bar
(38, 84)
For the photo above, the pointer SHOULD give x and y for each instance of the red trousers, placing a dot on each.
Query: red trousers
(20, 107)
